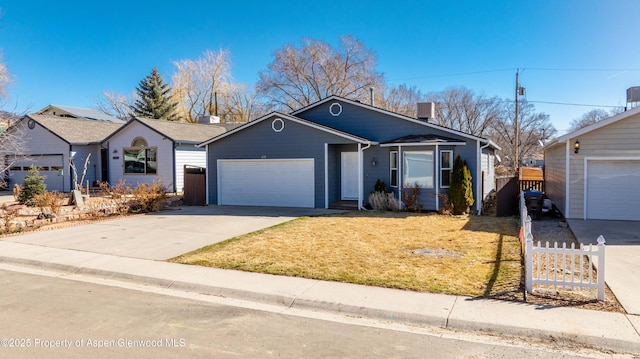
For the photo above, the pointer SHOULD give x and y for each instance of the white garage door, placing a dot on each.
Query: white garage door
(265, 182)
(48, 165)
(612, 190)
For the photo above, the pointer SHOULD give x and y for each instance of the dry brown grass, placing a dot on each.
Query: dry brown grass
(467, 255)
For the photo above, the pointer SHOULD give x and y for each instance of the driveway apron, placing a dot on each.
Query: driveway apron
(167, 234)
(622, 256)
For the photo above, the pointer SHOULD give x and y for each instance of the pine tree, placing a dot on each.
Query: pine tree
(461, 187)
(32, 186)
(154, 98)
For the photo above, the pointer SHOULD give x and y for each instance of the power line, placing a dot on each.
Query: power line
(575, 69)
(571, 104)
(453, 74)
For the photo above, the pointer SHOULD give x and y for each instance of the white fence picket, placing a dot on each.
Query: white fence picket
(542, 255)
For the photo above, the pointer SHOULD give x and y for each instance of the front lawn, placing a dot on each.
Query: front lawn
(465, 255)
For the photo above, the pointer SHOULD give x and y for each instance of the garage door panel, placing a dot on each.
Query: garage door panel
(612, 190)
(286, 183)
(48, 166)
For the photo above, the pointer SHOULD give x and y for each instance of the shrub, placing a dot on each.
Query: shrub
(461, 188)
(380, 186)
(16, 192)
(148, 198)
(32, 186)
(411, 197)
(49, 200)
(446, 208)
(381, 201)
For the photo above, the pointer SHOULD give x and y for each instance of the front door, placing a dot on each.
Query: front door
(349, 180)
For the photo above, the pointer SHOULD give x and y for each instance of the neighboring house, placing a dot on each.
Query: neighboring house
(334, 150)
(146, 150)
(77, 112)
(49, 142)
(594, 172)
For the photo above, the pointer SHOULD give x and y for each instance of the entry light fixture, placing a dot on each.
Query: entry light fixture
(576, 147)
(374, 162)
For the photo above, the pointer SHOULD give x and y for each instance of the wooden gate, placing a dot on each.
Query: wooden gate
(507, 190)
(195, 186)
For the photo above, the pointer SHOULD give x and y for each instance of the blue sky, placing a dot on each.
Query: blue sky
(69, 52)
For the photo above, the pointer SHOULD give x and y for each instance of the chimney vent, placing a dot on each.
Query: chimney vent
(207, 120)
(426, 110)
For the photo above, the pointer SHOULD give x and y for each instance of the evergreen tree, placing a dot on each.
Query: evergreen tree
(461, 187)
(32, 186)
(154, 98)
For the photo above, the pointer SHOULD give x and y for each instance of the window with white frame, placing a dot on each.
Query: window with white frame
(418, 168)
(393, 168)
(140, 158)
(446, 167)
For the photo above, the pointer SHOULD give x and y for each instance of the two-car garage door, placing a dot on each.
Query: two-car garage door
(266, 182)
(612, 189)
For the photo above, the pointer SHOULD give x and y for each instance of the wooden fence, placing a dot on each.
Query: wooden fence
(553, 266)
(195, 186)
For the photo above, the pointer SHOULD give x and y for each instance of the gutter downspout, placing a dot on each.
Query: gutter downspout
(206, 176)
(479, 205)
(437, 176)
(361, 173)
(400, 176)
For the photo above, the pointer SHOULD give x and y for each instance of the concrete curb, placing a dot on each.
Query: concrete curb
(612, 331)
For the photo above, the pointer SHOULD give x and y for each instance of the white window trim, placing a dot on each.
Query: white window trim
(391, 169)
(450, 169)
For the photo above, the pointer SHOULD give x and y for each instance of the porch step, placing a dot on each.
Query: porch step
(344, 205)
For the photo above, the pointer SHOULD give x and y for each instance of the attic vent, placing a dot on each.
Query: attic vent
(426, 110)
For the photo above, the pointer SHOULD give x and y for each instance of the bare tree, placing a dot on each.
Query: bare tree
(197, 83)
(241, 105)
(12, 148)
(592, 117)
(535, 128)
(299, 76)
(403, 100)
(464, 110)
(116, 105)
(5, 80)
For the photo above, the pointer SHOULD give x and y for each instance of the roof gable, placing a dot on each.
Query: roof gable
(301, 121)
(181, 132)
(75, 131)
(301, 112)
(78, 112)
(607, 121)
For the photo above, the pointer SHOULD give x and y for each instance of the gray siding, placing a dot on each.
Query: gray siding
(261, 141)
(619, 139)
(93, 166)
(371, 124)
(555, 175)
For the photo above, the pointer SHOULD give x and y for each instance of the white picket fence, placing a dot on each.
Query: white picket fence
(560, 267)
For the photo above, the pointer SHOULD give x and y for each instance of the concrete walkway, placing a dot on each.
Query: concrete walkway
(622, 256)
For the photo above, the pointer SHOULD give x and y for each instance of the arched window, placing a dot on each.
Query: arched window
(139, 142)
(140, 158)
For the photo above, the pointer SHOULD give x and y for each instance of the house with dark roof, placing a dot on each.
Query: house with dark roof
(78, 112)
(334, 151)
(145, 150)
(52, 143)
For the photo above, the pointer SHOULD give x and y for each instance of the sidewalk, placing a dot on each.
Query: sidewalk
(613, 331)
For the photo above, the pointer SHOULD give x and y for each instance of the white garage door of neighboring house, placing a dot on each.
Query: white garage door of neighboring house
(48, 165)
(266, 182)
(612, 189)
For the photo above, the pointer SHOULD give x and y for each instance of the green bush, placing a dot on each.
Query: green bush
(461, 187)
(33, 185)
(380, 186)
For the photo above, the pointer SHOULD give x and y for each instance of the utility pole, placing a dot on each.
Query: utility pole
(519, 92)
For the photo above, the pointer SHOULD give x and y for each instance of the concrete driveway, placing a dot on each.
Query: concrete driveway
(167, 234)
(622, 256)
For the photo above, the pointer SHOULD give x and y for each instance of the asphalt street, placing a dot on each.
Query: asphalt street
(53, 316)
